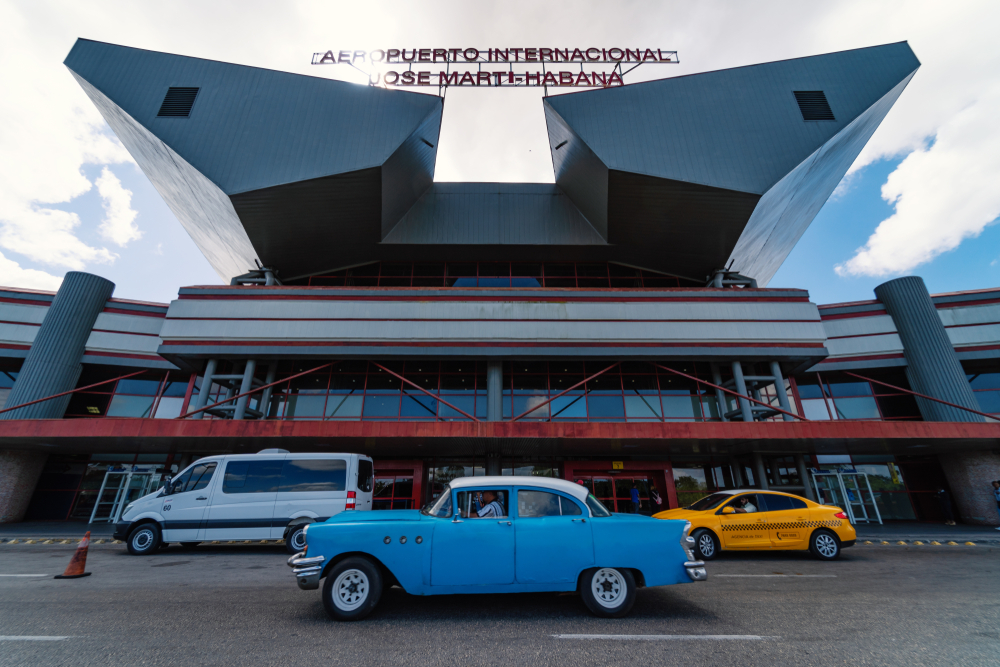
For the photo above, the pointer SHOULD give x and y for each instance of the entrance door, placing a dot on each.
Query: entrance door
(473, 552)
(745, 530)
(616, 492)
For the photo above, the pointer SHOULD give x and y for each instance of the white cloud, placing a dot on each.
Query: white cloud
(12, 274)
(118, 225)
(943, 195)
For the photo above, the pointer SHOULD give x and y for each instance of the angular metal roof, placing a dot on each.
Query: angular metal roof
(309, 175)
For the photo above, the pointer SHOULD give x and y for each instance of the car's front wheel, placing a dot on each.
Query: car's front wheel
(824, 545)
(706, 544)
(608, 591)
(352, 589)
(144, 539)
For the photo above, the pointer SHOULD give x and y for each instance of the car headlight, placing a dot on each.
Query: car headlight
(128, 508)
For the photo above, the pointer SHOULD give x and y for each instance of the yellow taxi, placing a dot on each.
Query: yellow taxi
(751, 520)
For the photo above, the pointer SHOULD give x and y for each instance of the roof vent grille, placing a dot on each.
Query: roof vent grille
(178, 102)
(813, 105)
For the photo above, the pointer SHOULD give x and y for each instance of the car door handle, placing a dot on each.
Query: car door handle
(202, 498)
(580, 520)
(504, 522)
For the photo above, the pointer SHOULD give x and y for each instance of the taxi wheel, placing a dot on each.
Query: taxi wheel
(608, 591)
(706, 544)
(352, 589)
(824, 545)
(144, 540)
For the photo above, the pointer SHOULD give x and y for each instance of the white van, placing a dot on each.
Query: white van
(268, 495)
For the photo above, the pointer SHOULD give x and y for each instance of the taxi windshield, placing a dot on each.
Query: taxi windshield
(709, 502)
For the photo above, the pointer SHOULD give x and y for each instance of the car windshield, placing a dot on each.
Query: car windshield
(709, 502)
(440, 507)
(597, 508)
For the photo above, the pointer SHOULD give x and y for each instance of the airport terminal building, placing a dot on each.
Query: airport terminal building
(614, 327)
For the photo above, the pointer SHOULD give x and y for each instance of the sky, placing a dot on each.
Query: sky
(921, 199)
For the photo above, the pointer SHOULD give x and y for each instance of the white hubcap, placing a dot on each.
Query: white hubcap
(608, 587)
(142, 539)
(299, 539)
(350, 590)
(826, 545)
(706, 545)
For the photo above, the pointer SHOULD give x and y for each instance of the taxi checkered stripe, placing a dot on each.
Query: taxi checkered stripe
(782, 526)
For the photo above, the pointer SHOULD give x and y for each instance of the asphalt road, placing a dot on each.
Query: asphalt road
(878, 605)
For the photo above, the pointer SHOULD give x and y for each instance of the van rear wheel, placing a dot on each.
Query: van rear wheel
(352, 589)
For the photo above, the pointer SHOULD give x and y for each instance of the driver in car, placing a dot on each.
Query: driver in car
(744, 506)
(490, 507)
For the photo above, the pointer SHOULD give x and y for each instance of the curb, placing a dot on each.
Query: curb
(928, 543)
(61, 540)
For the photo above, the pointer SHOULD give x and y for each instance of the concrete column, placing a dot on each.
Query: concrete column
(245, 386)
(53, 363)
(970, 476)
(265, 398)
(800, 463)
(741, 389)
(737, 469)
(779, 389)
(720, 396)
(206, 388)
(493, 464)
(759, 471)
(932, 367)
(494, 392)
(19, 473)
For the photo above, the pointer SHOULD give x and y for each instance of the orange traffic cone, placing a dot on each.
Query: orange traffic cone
(78, 562)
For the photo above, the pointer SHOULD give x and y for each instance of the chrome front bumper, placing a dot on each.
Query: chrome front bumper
(307, 571)
(696, 570)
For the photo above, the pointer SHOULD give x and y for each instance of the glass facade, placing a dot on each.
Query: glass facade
(594, 275)
(826, 396)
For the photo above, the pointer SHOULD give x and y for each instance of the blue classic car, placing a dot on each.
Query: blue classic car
(496, 535)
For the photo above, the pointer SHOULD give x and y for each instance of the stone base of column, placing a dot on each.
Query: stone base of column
(970, 476)
(19, 473)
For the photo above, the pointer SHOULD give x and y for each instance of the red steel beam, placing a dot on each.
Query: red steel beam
(564, 392)
(71, 391)
(255, 390)
(416, 386)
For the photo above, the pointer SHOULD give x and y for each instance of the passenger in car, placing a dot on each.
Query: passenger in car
(490, 506)
(744, 506)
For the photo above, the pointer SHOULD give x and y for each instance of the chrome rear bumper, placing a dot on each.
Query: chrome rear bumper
(307, 571)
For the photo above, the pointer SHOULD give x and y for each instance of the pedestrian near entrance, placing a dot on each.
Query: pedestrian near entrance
(635, 499)
(996, 496)
(945, 499)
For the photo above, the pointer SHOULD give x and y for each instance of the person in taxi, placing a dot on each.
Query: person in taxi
(744, 506)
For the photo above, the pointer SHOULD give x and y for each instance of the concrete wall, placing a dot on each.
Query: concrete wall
(19, 472)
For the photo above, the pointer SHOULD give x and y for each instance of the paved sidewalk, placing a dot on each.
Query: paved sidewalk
(55, 529)
(908, 531)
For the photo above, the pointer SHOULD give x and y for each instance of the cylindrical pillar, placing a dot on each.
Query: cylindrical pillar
(19, 473)
(932, 367)
(265, 398)
(970, 477)
(53, 362)
(779, 389)
(759, 471)
(800, 463)
(741, 389)
(245, 386)
(494, 392)
(493, 464)
(720, 396)
(206, 388)
(737, 469)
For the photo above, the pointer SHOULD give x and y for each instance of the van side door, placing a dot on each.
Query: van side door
(184, 510)
(313, 486)
(243, 504)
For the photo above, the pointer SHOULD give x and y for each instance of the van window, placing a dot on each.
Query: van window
(195, 478)
(314, 475)
(366, 475)
(252, 477)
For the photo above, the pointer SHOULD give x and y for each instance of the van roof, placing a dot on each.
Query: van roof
(578, 491)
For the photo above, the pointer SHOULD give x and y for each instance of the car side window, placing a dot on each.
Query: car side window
(776, 503)
(536, 504)
(252, 477)
(752, 504)
(798, 504)
(482, 504)
(195, 478)
(569, 508)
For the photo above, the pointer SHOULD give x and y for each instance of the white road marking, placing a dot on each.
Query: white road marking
(23, 575)
(792, 576)
(31, 638)
(664, 637)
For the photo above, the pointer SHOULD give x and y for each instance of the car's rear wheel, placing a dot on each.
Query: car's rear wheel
(608, 591)
(144, 539)
(352, 589)
(824, 545)
(706, 544)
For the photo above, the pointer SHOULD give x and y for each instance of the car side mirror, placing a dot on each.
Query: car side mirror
(728, 510)
(167, 486)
